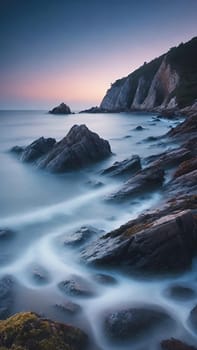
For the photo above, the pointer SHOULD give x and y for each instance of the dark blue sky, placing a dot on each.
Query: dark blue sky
(71, 50)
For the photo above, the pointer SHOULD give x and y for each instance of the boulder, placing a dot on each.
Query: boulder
(6, 296)
(76, 286)
(127, 166)
(146, 180)
(28, 331)
(147, 246)
(61, 109)
(132, 323)
(139, 128)
(175, 344)
(78, 149)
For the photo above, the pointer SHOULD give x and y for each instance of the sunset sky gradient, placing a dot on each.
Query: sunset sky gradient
(71, 50)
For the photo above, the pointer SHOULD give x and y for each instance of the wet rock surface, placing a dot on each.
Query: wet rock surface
(27, 331)
(61, 109)
(146, 180)
(193, 318)
(127, 166)
(6, 296)
(147, 246)
(81, 236)
(68, 307)
(104, 279)
(76, 286)
(169, 159)
(132, 323)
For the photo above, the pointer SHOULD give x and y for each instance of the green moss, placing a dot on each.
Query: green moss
(28, 331)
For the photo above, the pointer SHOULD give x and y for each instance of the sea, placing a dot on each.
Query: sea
(44, 209)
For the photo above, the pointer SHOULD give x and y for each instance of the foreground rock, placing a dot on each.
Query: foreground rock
(6, 296)
(127, 166)
(28, 331)
(144, 181)
(175, 344)
(147, 245)
(78, 149)
(61, 109)
(131, 323)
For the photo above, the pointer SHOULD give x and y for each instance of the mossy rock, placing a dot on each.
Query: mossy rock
(28, 331)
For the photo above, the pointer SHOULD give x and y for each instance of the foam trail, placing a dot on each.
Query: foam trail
(44, 214)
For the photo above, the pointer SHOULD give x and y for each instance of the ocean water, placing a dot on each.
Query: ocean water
(43, 209)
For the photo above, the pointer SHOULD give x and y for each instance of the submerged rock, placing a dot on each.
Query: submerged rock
(6, 234)
(6, 296)
(68, 307)
(180, 292)
(61, 109)
(127, 166)
(175, 344)
(78, 149)
(147, 246)
(81, 236)
(28, 331)
(104, 279)
(131, 323)
(76, 286)
(143, 181)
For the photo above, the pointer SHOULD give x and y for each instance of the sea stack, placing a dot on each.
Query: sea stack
(63, 108)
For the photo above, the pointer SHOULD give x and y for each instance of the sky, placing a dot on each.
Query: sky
(72, 50)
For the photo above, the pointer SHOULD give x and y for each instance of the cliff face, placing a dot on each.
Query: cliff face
(169, 81)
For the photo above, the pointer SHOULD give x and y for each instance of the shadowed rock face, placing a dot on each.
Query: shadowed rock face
(147, 246)
(79, 148)
(6, 296)
(61, 109)
(28, 331)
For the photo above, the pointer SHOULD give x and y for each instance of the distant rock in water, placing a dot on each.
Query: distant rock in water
(61, 109)
(79, 148)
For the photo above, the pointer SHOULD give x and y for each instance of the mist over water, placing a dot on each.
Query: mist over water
(43, 209)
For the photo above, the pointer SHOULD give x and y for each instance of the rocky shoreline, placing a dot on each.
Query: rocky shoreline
(160, 241)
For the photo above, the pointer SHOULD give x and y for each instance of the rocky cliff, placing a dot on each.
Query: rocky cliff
(167, 82)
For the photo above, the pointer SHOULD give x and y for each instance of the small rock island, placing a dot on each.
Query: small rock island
(63, 108)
